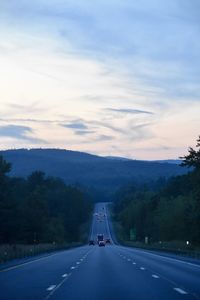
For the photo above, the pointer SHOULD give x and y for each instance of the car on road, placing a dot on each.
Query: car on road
(101, 244)
(91, 242)
(108, 241)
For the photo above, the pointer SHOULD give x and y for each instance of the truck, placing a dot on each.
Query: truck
(100, 239)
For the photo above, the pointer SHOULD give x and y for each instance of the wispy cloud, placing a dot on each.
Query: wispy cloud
(75, 125)
(128, 111)
(18, 132)
(84, 132)
(104, 137)
(75, 59)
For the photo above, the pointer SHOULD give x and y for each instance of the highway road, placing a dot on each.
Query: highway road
(101, 273)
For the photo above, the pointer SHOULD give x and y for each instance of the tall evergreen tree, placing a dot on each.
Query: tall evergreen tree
(193, 158)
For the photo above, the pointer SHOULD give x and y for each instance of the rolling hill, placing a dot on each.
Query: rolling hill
(102, 175)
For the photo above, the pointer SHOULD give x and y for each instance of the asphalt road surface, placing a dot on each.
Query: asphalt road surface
(101, 273)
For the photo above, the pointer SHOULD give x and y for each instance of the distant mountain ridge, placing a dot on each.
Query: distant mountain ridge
(101, 174)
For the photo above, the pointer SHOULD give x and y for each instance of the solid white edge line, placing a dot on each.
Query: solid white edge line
(180, 291)
(30, 262)
(162, 256)
(155, 276)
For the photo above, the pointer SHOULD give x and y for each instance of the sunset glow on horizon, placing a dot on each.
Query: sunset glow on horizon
(105, 77)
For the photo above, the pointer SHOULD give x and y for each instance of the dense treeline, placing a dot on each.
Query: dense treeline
(40, 209)
(168, 214)
(102, 176)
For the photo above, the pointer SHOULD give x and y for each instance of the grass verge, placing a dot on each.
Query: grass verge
(9, 252)
(173, 247)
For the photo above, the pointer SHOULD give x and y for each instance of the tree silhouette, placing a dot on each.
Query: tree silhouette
(193, 158)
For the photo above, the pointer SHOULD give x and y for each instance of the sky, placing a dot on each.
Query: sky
(112, 78)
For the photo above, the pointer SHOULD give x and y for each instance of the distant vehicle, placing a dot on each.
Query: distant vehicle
(100, 237)
(108, 241)
(101, 244)
(100, 240)
(91, 242)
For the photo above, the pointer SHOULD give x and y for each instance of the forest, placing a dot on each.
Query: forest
(101, 176)
(40, 209)
(163, 210)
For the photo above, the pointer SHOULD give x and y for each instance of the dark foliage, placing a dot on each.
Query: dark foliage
(101, 176)
(40, 209)
(168, 214)
(193, 157)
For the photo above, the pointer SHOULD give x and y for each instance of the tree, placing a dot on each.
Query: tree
(193, 158)
(5, 167)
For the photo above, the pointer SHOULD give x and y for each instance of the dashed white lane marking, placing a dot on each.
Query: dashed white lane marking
(56, 287)
(180, 291)
(167, 258)
(51, 287)
(129, 259)
(134, 263)
(78, 263)
(155, 276)
(72, 268)
(142, 268)
(64, 275)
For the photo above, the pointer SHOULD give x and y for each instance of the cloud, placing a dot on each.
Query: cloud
(100, 124)
(128, 111)
(15, 131)
(25, 108)
(28, 120)
(76, 125)
(18, 132)
(116, 81)
(84, 132)
(104, 137)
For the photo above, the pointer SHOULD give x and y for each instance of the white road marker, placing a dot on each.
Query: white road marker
(142, 268)
(155, 276)
(64, 275)
(72, 268)
(57, 287)
(78, 263)
(129, 259)
(51, 287)
(180, 291)
(134, 263)
(168, 258)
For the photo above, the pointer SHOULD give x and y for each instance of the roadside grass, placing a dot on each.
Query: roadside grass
(14, 251)
(174, 247)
